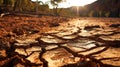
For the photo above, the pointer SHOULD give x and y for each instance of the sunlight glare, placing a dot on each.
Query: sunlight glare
(79, 2)
(69, 3)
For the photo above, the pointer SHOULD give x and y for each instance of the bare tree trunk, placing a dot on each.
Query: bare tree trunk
(17, 5)
(36, 6)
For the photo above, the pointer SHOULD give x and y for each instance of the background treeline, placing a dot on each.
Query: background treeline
(24, 6)
(100, 8)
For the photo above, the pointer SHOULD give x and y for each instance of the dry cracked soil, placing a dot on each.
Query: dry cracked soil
(49, 41)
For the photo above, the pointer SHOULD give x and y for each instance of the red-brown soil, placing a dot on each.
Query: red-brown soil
(50, 41)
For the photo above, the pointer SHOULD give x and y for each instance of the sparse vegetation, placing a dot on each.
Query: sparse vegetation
(96, 9)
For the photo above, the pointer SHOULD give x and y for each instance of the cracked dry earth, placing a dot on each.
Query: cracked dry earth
(59, 42)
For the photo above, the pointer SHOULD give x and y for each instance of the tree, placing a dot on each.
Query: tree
(17, 5)
(107, 14)
(23, 5)
(55, 6)
(1, 2)
(6, 2)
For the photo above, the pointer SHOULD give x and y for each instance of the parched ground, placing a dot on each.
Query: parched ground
(49, 41)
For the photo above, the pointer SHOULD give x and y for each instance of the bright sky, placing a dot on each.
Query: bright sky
(69, 3)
